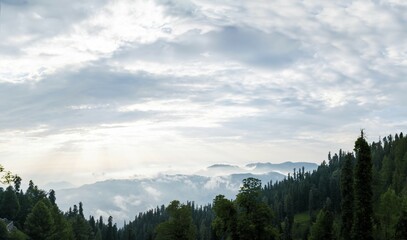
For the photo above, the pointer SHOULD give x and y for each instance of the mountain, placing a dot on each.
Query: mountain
(284, 168)
(59, 185)
(123, 199)
(221, 170)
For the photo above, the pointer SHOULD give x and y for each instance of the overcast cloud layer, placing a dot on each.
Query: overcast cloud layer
(112, 88)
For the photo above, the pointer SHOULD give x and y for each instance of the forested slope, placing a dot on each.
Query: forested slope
(357, 195)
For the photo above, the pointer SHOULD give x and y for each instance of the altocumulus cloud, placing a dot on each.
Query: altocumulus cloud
(231, 81)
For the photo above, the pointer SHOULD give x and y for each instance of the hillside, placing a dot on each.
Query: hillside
(303, 205)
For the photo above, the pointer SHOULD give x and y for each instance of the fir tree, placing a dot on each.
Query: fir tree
(322, 228)
(10, 205)
(179, 226)
(39, 223)
(362, 228)
(347, 197)
(401, 227)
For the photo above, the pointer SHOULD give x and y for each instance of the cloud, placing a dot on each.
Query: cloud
(96, 79)
(123, 202)
(152, 192)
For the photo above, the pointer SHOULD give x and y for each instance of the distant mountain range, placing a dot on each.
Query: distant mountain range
(285, 168)
(124, 199)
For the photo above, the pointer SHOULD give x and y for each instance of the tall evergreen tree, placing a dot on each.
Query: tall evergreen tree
(62, 228)
(81, 210)
(225, 223)
(363, 225)
(347, 198)
(322, 228)
(387, 212)
(109, 234)
(39, 223)
(179, 226)
(9, 204)
(248, 217)
(51, 197)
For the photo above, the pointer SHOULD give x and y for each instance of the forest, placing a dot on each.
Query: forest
(352, 195)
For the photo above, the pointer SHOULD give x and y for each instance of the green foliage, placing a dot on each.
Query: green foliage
(401, 227)
(347, 206)
(9, 204)
(39, 223)
(17, 235)
(322, 229)
(6, 177)
(81, 228)
(301, 225)
(388, 212)
(51, 196)
(62, 228)
(3, 231)
(248, 217)
(179, 226)
(363, 225)
(225, 223)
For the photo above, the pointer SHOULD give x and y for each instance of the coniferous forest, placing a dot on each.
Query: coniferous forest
(356, 195)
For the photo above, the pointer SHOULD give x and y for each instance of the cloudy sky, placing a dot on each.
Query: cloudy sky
(111, 88)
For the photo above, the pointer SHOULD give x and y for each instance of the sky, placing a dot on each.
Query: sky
(100, 89)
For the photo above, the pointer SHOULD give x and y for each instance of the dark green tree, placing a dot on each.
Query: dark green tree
(254, 216)
(289, 219)
(248, 217)
(10, 205)
(39, 224)
(98, 235)
(51, 196)
(179, 226)
(3, 231)
(225, 222)
(17, 183)
(401, 227)
(363, 225)
(62, 228)
(81, 210)
(322, 228)
(347, 208)
(388, 211)
(109, 234)
(81, 228)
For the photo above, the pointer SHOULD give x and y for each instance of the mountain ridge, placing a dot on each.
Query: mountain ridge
(125, 198)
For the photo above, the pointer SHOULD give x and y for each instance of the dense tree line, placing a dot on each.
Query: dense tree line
(352, 195)
(35, 215)
(366, 192)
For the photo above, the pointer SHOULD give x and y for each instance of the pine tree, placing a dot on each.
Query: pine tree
(62, 228)
(51, 197)
(225, 223)
(347, 197)
(39, 223)
(363, 226)
(322, 228)
(388, 211)
(109, 235)
(401, 227)
(179, 226)
(81, 210)
(9, 204)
